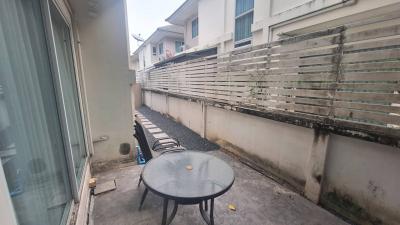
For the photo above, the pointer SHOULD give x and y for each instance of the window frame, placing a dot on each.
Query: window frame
(161, 48)
(154, 50)
(197, 27)
(242, 42)
(182, 43)
(76, 188)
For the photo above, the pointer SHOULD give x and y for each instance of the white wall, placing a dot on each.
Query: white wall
(211, 26)
(141, 59)
(189, 41)
(147, 51)
(104, 48)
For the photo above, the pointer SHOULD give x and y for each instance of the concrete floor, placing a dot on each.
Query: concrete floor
(258, 200)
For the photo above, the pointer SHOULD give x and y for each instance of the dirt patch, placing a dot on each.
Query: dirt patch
(344, 205)
(98, 167)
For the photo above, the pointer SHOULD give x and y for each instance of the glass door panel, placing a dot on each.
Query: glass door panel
(31, 144)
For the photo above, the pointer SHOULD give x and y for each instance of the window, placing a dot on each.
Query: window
(179, 46)
(195, 28)
(161, 48)
(154, 50)
(32, 147)
(243, 20)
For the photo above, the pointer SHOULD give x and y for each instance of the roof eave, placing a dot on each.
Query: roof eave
(178, 17)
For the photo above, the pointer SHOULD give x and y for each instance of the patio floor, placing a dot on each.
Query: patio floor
(258, 199)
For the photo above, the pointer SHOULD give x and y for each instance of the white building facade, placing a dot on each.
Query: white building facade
(230, 24)
(164, 43)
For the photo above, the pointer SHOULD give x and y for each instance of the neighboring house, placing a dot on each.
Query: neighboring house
(229, 24)
(65, 105)
(164, 43)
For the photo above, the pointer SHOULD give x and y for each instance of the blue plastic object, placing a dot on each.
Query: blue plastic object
(140, 159)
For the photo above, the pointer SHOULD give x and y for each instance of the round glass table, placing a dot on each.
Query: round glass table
(188, 178)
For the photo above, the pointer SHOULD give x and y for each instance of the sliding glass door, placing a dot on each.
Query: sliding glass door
(32, 148)
(42, 139)
(67, 76)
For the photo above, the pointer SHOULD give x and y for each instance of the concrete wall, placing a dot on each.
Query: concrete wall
(187, 113)
(104, 49)
(345, 170)
(367, 173)
(269, 140)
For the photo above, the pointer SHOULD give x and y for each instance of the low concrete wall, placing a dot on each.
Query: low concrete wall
(269, 140)
(366, 174)
(354, 177)
(187, 113)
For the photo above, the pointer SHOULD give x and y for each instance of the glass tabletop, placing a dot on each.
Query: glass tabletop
(188, 175)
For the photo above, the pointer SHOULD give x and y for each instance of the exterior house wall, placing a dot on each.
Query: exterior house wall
(169, 45)
(342, 14)
(363, 173)
(189, 41)
(141, 60)
(148, 57)
(107, 77)
(211, 27)
(273, 17)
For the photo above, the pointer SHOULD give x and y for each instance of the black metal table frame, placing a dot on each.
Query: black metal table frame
(166, 220)
(209, 219)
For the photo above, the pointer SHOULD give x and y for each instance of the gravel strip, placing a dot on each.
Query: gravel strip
(188, 139)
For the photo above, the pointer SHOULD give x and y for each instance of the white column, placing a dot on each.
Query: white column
(7, 214)
(203, 119)
(316, 166)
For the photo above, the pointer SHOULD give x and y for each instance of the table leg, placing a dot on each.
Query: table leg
(143, 198)
(164, 215)
(171, 217)
(212, 212)
(165, 220)
(206, 205)
(208, 219)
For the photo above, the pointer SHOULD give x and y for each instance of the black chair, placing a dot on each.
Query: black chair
(162, 147)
